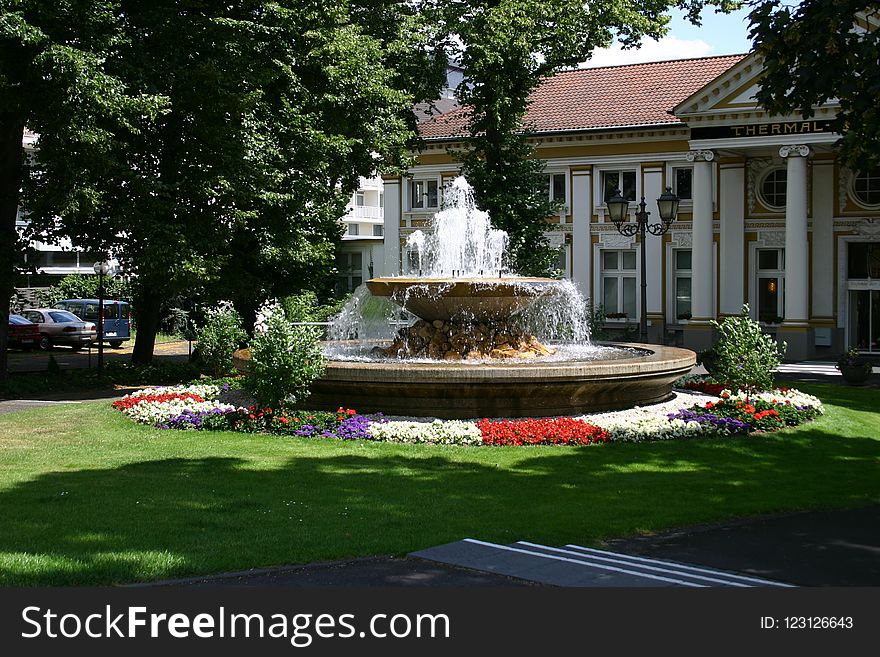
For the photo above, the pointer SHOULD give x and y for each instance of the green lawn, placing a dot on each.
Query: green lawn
(87, 497)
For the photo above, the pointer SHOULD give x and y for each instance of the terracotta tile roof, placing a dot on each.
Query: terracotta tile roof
(607, 97)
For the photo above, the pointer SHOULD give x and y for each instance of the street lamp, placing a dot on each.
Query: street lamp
(101, 269)
(618, 209)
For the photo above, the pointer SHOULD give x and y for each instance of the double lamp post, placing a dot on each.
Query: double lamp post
(618, 211)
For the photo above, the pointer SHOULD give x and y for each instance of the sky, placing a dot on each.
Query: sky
(720, 34)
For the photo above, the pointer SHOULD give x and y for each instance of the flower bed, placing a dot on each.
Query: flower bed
(688, 416)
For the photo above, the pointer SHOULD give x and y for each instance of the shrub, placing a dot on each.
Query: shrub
(285, 359)
(744, 355)
(219, 338)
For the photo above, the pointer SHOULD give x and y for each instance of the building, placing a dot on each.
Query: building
(768, 215)
(363, 242)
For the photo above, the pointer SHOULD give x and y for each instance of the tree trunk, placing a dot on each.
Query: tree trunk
(11, 156)
(147, 305)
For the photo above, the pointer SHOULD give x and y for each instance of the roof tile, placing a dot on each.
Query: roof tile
(607, 97)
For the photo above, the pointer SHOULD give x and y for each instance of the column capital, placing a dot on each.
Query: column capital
(704, 156)
(794, 150)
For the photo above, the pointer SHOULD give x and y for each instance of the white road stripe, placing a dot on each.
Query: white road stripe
(584, 563)
(670, 571)
(745, 578)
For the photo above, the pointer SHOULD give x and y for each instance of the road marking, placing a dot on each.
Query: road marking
(586, 563)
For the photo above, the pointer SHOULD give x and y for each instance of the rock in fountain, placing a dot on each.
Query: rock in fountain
(482, 344)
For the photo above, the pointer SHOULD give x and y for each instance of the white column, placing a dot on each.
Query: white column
(732, 218)
(796, 255)
(581, 213)
(703, 278)
(653, 188)
(392, 215)
(822, 280)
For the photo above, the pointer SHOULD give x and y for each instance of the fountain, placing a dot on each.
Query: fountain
(486, 343)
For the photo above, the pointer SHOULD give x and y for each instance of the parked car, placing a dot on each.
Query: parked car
(116, 317)
(61, 327)
(23, 333)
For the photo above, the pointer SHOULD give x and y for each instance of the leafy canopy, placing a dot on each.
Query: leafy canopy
(817, 51)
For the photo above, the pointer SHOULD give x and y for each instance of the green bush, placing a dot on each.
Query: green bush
(221, 335)
(744, 355)
(285, 359)
(85, 286)
(305, 307)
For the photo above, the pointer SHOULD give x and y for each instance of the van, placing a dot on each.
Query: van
(117, 325)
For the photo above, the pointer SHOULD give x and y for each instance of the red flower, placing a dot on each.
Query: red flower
(351, 411)
(252, 416)
(708, 405)
(549, 431)
(284, 420)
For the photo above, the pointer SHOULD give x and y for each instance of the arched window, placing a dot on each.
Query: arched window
(773, 187)
(866, 188)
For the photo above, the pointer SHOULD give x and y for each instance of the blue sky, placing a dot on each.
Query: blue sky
(720, 34)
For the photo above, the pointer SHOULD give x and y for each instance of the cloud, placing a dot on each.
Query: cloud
(669, 47)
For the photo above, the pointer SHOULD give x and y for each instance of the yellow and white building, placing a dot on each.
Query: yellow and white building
(768, 216)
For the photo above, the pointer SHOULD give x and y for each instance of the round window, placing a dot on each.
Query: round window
(866, 188)
(773, 189)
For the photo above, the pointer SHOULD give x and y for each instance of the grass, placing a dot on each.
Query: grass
(88, 498)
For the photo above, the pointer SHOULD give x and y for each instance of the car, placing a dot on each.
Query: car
(23, 333)
(60, 327)
(116, 317)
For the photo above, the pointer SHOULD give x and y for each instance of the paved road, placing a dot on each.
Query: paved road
(38, 361)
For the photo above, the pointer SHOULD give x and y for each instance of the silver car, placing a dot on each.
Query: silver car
(61, 327)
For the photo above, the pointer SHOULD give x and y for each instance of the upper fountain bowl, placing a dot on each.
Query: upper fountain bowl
(475, 299)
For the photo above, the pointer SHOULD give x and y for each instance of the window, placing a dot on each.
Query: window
(771, 285)
(866, 187)
(423, 194)
(360, 199)
(33, 316)
(554, 185)
(349, 271)
(682, 283)
(619, 284)
(683, 183)
(378, 230)
(863, 260)
(773, 189)
(625, 181)
(353, 229)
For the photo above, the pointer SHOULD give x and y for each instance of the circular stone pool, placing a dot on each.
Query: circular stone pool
(642, 374)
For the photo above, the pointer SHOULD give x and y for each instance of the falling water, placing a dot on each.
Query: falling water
(460, 241)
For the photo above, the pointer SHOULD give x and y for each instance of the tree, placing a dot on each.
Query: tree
(53, 80)
(812, 54)
(274, 109)
(507, 47)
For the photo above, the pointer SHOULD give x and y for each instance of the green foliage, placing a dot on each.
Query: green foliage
(236, 182)
(744, 355)
(285, 359)
(854, 358)
(305, 307)
(221, 335)
(811, 55)
(85, 286)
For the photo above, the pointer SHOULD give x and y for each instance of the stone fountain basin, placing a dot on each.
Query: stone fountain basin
(480, 299)
(458, 390)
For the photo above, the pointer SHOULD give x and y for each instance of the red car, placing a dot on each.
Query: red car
(23, 334)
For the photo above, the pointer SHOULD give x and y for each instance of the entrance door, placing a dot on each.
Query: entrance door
(865, 320)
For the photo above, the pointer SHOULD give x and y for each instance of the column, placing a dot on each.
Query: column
(794, 327)
(731, 212)
(581, 213)
(652, 181)
(392, 215)
(699, 334)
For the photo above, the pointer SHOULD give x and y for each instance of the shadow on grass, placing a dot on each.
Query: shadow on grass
(177, 517)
